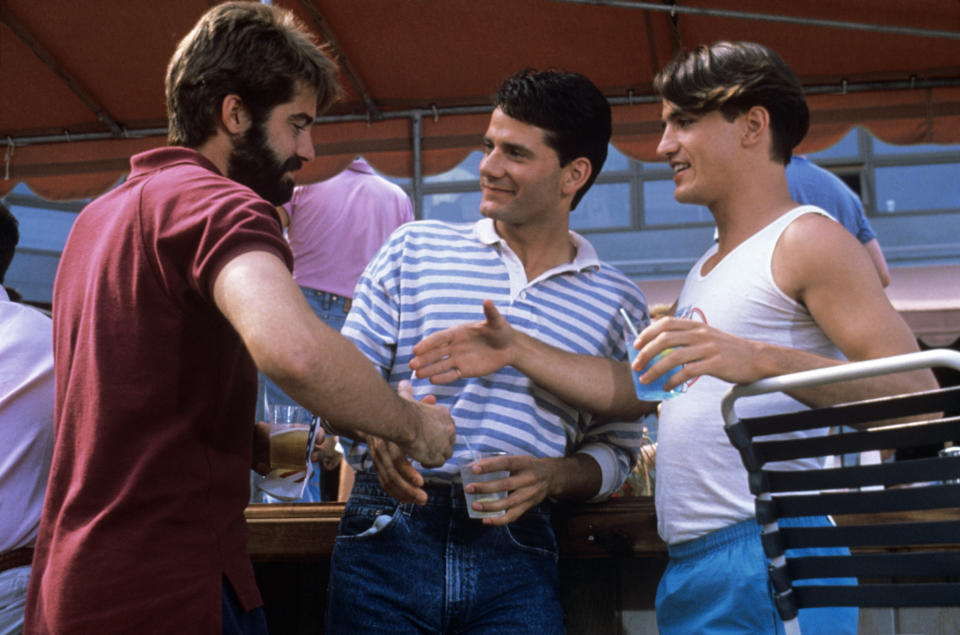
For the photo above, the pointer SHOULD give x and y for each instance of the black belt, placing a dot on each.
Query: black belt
(16, 558)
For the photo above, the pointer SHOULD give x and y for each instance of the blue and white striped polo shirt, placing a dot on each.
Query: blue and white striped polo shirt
(432, 275)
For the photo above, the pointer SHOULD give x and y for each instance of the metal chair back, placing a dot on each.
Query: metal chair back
(900, 519)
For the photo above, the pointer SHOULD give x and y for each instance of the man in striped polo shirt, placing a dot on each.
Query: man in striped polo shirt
(408, 558)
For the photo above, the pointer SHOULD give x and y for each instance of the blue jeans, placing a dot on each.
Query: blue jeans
(330, 309)
(236, 621)
(718, 583)
(13, 597)
(400, 568)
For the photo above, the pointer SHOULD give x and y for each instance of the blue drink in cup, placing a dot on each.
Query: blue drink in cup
(653, 391)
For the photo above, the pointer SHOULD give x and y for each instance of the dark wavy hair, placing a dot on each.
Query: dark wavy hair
(259, 52)
(733, 77)
(574, 113)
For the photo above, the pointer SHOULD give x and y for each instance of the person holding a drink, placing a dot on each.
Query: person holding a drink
(408, 555)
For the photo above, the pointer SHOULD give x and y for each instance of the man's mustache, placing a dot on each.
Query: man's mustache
(292, 164)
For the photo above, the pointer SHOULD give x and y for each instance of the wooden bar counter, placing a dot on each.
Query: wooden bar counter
(306, 531)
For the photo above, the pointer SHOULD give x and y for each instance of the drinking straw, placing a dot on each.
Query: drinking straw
(630, 325)
(472, 453)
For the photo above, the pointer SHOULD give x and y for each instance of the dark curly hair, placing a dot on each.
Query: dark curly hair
(574, 113)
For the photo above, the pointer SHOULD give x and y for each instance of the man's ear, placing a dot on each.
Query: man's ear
(233, 115)
(576, 174)
(756, 123)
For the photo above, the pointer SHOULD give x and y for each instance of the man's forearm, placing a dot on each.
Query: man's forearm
(575, 478)
(595, 384)
(311, 362)
(779, 361)
(335, 379)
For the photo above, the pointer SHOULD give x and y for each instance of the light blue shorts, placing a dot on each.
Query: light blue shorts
(718, 583)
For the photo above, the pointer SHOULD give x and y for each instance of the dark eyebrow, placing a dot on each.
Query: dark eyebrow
(519, 149)
(509, 147)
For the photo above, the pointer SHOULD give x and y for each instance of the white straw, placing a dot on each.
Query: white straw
(630, 325)
(472, 453)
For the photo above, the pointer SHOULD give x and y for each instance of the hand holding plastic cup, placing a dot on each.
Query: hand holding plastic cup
(654, 390)
(292, 433)
(289, 437)
(467, 476)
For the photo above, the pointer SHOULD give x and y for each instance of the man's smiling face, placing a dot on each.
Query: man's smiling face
(520, 175)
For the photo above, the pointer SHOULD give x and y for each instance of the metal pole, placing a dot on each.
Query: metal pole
(416, 132)
(843, 87)
(673, 9)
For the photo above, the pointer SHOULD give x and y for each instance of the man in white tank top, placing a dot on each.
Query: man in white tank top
(785, 288)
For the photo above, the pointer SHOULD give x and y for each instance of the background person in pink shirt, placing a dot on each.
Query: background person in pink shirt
(334, 228)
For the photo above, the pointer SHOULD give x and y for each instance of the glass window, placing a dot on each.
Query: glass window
(468, 170)
(846, 147)
(616, 160)
(454, 207)
(43, 229)
(882, 148)
(604, 205)
(853, 181)
(660, 208)
(912, 188)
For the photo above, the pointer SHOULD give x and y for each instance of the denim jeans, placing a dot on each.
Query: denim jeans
(400, 568)
(330, 309)
(236, 621)
(13, 597)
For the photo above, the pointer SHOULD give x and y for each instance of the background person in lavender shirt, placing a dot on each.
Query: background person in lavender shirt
(26, 433)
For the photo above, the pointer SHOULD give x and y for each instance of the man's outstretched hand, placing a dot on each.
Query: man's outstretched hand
(467, 350)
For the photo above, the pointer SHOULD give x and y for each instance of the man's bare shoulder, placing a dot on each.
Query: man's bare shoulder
(815, 249)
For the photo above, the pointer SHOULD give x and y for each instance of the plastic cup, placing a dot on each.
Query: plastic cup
(289, 437)
(653, 391)
(467, 476)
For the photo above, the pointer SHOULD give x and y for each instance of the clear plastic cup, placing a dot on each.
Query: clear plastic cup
(467, 476)
(653, 391)
(289, 437)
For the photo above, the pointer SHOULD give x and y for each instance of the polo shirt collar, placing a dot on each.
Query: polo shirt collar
(586, 257)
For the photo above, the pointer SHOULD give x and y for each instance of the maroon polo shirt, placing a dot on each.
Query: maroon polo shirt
(155, 397)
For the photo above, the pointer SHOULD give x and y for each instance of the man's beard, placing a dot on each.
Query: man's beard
(254, 164)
